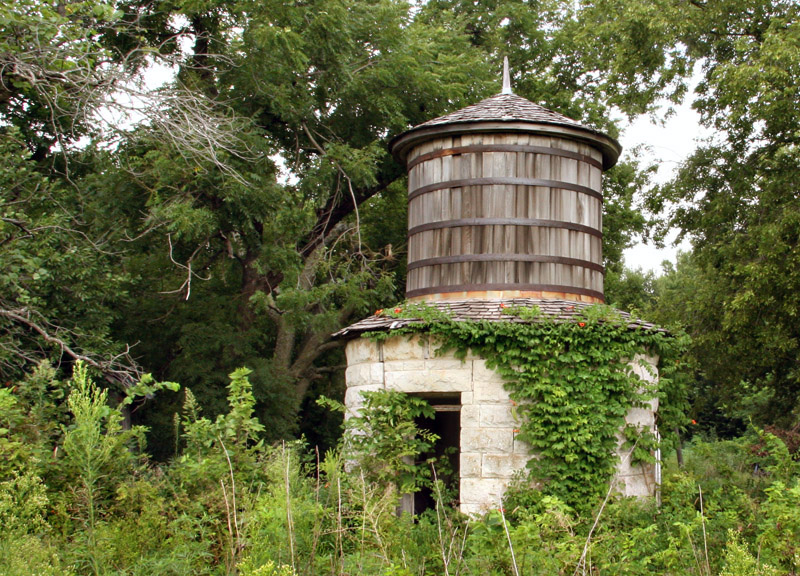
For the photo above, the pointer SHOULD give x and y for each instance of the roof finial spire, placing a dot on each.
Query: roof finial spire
(506, 77)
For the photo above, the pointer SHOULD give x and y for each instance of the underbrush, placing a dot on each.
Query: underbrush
(77, 497)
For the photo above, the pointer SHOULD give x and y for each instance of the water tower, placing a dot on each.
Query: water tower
(505, 209)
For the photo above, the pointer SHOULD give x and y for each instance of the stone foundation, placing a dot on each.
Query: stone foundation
(490, 452)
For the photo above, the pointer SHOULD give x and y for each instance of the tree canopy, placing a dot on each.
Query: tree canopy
(243, 211)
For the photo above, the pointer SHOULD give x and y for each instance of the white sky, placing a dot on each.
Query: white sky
(669, 145)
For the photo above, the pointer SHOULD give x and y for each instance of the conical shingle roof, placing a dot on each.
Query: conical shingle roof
(505, 112)
(503, 108)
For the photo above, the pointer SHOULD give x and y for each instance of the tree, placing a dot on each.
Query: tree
(245, 214)
(63, 71)
(735, 196)
(259, 263)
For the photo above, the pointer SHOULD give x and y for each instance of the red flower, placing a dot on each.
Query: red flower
(694, 421)
(581, 324)
(398, 310)
(502, 305)
(379, 311)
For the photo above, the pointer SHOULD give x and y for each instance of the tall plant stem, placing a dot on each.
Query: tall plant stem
(705, 540)
(611, 485)
(445, 556)
(508, 536)
(289, 519)
(236, 543)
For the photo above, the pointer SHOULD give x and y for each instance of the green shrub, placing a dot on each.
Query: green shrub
(739, 561)
(231, 504)
(384, 439)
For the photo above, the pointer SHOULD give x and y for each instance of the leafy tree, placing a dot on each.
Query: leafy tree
(552, 63)
(254, 208)
(60, 253)
(58, 283)
(734, 196)
(259, 262)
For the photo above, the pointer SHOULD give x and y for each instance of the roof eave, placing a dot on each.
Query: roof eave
(401, 144)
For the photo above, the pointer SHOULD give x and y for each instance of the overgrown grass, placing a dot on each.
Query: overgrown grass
(79, 500)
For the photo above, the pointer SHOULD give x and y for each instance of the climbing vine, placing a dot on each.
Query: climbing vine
(571, 382)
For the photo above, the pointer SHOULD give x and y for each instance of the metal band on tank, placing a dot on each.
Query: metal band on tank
(531, 222)
(504, 148)
(505, 258)
(461, 183)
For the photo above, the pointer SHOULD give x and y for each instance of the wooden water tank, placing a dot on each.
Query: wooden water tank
(505, 201)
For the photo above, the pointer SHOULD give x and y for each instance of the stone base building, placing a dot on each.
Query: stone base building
(474, 411)
(505, 207)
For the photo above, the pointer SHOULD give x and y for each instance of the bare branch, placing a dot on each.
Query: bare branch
(188, 267)
(120, 368)
(85, 87)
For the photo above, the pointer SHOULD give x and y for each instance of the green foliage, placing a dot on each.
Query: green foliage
(571, 383)
(96, 449)
(737, 291)
(641, 443)
(11, 449)
(50, 53)
(97, 453)
(23, 502)
(780, 525)
(58, 284)
(385, 439)
(268, 569)
(256, 209)
(739, 561)
(238, 427)
(231, 504)
(26, 555)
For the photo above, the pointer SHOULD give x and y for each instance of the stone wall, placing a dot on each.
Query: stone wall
(490, 450)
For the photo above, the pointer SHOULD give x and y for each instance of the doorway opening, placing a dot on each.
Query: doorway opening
(446, 424)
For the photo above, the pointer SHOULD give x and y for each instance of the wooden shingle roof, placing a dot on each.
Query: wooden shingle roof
(489, 310)
(505, 112)
(504, 108)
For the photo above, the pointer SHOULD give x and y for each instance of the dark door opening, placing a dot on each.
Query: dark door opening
(446, 424)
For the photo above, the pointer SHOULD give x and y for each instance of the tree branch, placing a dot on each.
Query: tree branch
(120, 368)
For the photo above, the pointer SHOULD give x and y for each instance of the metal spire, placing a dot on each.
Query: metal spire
(506, 77)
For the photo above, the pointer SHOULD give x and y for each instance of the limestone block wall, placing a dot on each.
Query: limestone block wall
(490, 451)
(640, 480)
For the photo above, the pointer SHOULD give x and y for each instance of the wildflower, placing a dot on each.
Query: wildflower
(502, 305)
(694, 421)
(581, 324)
(398, 310)
(379, 311)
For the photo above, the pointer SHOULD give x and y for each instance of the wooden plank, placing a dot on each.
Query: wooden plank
(476, 287)
(480, 205)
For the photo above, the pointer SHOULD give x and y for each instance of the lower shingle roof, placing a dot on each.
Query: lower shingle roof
(488, 310)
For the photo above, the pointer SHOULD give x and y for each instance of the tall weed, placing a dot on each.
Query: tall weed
(80, 497)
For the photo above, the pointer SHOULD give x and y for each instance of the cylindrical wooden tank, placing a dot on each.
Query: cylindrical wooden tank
(505, 201)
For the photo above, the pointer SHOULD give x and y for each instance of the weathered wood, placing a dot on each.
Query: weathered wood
(440, 153)
(514, 211)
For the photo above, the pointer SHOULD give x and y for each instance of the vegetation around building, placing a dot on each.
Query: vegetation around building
(231, 220)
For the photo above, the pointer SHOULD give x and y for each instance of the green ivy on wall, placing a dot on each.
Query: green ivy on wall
(572, 385)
